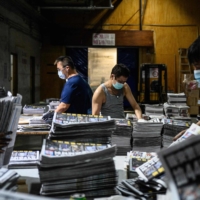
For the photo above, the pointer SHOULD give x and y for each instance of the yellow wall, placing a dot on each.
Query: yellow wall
(175, 24)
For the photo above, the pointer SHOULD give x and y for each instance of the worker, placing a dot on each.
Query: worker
(76, 96)
(108, 97)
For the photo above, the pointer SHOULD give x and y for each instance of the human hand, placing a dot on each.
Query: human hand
(179, 135)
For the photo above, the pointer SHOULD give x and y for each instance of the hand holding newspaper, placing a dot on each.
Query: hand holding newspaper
(192, 131)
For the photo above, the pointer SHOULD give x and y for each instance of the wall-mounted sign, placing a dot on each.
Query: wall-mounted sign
(103, 39)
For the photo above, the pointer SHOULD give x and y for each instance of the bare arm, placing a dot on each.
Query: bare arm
(132, 101)
(182, 132)
(62, 107)
(179, 135)
(97, 101)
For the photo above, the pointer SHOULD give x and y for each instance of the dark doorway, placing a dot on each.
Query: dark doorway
(80, 59)
(32, 79)
(130, 58)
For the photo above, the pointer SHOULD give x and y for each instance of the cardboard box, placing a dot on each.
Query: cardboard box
(193, 93)
(192, 101)
(194, 110)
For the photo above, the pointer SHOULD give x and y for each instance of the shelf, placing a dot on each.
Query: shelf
(185, 71)
(185, 64)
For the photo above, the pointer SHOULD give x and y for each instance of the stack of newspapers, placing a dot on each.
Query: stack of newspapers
(82, 128)
(68, 167)
(37, 120)
(171, 110)
(122, 136)
(175, 110)
(10, 110)
(154, 110)
(8, 179)
(35, 124)
(34, 110)
(24, 160)
(176, 98)
(169, 132)
(34, 127)
(147, 136)
(182, 121)
(176, 105)
(184, 111)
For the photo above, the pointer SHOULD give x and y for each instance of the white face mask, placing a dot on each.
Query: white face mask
(118, 85)
(197, 75)
(61, 75)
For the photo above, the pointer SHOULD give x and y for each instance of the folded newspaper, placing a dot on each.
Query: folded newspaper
(24, 159)
(82, 128)
(68, 153)
(190, 132)
(150, 169)
(32, 109)
(67, 119)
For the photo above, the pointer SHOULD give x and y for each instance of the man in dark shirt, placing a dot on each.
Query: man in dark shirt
(76, 96)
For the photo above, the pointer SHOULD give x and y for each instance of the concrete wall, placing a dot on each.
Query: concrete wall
(18, 37)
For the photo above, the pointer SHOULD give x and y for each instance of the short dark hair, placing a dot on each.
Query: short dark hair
(194, 52)
(120, 70)
(66, 61)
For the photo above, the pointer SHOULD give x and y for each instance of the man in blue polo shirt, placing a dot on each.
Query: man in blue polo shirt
(76, 96)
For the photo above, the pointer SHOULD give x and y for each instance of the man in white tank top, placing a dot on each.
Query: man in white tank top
(108, 97)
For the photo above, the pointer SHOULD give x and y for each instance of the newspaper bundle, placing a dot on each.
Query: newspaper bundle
(82, 128)
(69, 167)
(10, 110)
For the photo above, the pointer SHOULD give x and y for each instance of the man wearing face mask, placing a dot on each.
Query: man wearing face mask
(108, 97)
(194, 59)
(76, 96)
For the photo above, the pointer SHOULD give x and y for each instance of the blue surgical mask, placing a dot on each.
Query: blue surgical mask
(118, 85)
(61, 75)
(197, 75)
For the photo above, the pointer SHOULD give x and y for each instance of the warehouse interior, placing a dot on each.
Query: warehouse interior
(35, 33)
(88, 152)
